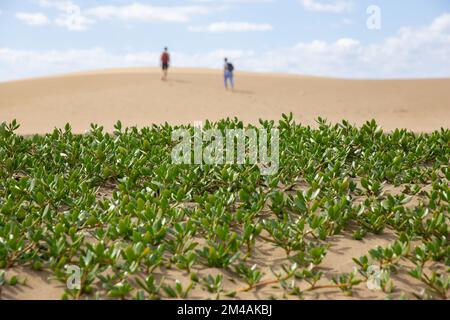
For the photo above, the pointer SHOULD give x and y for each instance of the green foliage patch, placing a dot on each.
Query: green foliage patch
(115, 206)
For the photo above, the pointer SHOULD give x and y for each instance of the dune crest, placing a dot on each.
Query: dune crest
(139, 97)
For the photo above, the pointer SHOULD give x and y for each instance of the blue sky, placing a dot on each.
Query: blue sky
(316, 37)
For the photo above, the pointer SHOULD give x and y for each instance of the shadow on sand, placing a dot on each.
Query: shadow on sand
(176, 81)
(243, 92)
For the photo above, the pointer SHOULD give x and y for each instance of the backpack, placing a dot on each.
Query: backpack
(230, 67)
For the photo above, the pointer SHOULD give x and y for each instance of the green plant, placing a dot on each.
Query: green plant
(346, 282)
(177, 291)
(250, 274)
(120, 290)
(150, 286)
(2, 281)
(286, 234)
(312, 254)
(186, 262)
(218, 255)
(438, 284)
(213, 284)
(116, 206)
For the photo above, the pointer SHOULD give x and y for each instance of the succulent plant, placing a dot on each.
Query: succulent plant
(118, 208)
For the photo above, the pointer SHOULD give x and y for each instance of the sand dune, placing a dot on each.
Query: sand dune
(139, 97)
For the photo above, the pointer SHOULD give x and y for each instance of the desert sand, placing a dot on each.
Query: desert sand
(42, 285)
(139, 97)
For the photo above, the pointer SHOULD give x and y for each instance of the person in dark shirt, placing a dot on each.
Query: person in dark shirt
(228, 75)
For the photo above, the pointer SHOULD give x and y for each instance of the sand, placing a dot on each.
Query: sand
(43, 285)
(139, 97)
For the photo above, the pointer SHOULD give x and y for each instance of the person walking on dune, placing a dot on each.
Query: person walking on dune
(228, 75)
(165, 61)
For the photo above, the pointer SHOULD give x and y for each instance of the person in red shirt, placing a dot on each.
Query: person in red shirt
(165, 61)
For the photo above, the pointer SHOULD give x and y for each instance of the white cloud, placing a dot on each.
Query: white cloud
(336, 6)
(146, 13)
(33, 19)
(232, 27)
(73, 22)
(411, 53)
(72, 17)
(70, 14)
(24, 63)
(441, 24)
(57, 4)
